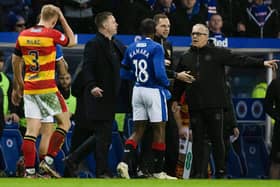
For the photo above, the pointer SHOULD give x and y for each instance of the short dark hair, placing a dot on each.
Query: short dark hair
(216, 14)
(101, 17)
(159, 16)
(148, 27)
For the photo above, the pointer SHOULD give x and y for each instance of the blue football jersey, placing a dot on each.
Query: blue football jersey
(59, 53)
(145, 61)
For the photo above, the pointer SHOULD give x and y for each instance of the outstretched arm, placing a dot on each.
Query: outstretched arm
(271, 64)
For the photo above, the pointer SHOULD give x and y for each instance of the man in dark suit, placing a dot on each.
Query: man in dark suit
(99, 82)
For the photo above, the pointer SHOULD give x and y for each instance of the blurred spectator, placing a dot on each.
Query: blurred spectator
(211, 6)
(64, 86)
(13, 5)
(6, 86)
(259, 90)
(2, 98)
(260, 21)
(15, 22)
(215, 26)
(231, 11)
(129, 14)
(79, 15)
(105, 5)
(185, 17)
(19, 7)
(164, 6)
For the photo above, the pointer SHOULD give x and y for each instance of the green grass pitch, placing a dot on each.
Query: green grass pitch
(21, 182)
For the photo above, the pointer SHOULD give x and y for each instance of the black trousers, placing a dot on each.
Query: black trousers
(102, 130)
(207, 125)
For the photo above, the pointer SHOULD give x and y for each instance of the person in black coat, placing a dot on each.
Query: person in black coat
(206, 95)
(271, 105)
(187, 15)
(99, 82)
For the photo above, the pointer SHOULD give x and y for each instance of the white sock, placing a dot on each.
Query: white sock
(30, 171)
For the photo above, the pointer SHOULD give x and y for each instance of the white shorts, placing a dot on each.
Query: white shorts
(49, 119)
(149, 104)
(40, 106)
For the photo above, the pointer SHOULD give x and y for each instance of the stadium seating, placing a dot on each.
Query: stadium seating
(2, 160)
(255, 150)
(11, 145)
(234, 164)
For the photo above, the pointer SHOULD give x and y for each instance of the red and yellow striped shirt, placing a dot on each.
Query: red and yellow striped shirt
(37, 47)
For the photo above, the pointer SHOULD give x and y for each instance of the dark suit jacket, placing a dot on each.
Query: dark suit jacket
(100, 69)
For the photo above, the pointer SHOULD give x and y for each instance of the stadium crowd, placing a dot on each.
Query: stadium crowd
(242, 18)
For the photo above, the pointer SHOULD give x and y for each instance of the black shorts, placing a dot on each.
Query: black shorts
(275, 151)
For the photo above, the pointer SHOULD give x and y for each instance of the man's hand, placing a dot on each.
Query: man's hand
(185, 76)
(97, 92)
(236, 132)
(271, 64)
(17, 95)
(175, 107)
(12, 117)
(183, 132)
(167, 62)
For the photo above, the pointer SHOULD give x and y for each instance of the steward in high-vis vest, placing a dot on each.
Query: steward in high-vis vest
(4, 84)
(64, 86)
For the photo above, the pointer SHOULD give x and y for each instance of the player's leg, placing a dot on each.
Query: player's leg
(158, 115)
(46, 132)
(33, 115)
(56, 106)
(128, 167)
(140, 119)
